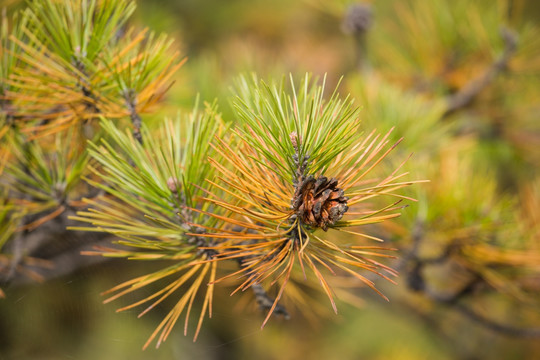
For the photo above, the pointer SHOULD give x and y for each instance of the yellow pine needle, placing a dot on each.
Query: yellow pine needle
(172, 317)
(261, 269)
(382, 188)
(280, 293)
(148, 298)
(50, 101)
(370, 195)
(356, 261)
(232, 221)
(207, 303)
(248, 265)
(241, 210)
(175, 286)
(54, 128)
(368, 213)
(346, 157)
(369, 220)
(372, 253)
(366, 281)
(388, 208)
(165, 75)
(140, 282)
(134, 42)
(3, 131)
(262, 192)
(317, 258)
(358, 264)
(323, 282)
(44, 61)
(355, 177)
(365, 152)
(196, 285)
(240, 236)
(271, 263)
(242, 247)
(247, 181)
(259, 215)
(384, 267)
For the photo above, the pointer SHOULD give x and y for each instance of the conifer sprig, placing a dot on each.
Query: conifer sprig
(151, 187)
(78, 32)
(42, 185)
(324, 127)
(276, 193)
(8, 49)
(42, 177)
(141, 67)
(76, 61)
(8, 61)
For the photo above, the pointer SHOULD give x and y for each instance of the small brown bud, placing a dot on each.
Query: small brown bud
(173, 184)
(294, 139)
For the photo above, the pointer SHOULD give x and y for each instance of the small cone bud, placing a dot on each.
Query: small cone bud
(294, 139)
(173, 184)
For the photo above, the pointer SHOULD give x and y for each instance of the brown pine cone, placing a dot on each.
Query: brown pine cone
(319, 203)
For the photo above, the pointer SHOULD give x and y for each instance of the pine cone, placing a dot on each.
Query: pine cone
(319, 203)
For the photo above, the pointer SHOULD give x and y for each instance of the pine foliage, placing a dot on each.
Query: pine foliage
(294, 193)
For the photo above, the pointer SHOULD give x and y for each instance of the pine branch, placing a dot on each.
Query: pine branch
(414, 267)
(273, 201)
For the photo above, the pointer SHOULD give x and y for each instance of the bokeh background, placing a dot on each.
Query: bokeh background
(406, 63)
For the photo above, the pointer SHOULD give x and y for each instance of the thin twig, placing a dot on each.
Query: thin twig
(90, 98)
(300, 164)
(467, 94)
(16, 243)
(266, 302)
(131, 102)
(496, 326)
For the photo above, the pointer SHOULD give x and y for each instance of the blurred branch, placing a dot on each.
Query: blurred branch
(472, 315)
(467, 94)
(413, 266)
(53, 243)
(68, 262)
(495, 326)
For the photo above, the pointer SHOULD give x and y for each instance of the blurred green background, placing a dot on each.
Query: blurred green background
(401, 70)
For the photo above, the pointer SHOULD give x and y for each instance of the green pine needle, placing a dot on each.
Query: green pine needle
(154, 183)
(325, 127)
